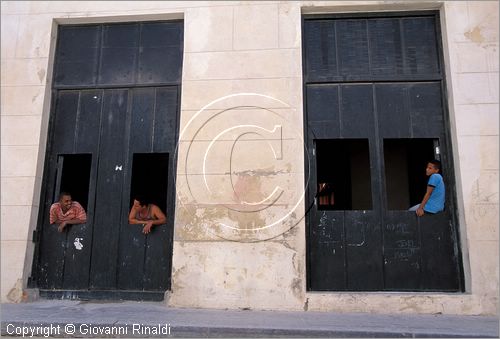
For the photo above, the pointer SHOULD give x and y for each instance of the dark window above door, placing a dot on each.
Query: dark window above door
(354, 49)
(122, 54)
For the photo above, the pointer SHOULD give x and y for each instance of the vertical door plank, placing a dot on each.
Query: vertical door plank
(77, 55)
(323, 119)
(439, 259)
(386, 53)
(392, 110)
(352, 47)
(79, 241)
(160, 53)
(119, 53)
(108, 214)
(53, 243)
(356, 111)
(402, 250)
(426, 110)
(321, 57)
(132, 241)
(363, 250)
(165, 120)
(328, 257)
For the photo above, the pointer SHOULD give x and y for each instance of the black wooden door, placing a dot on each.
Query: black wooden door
(374, 116)
(113, 133)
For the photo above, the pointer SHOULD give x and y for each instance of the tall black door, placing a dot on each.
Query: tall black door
(374, 116)
(113, 133)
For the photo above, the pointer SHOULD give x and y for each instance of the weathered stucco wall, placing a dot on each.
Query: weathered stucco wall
(239, 227)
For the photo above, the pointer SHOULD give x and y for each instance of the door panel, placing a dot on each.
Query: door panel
(392, 110)
(119, 54)
(320, 39)
(322, 111)
(149, 255)
(65, 117)
(356, 113)
(386, 46)
(328, 259)
(165, 120)
(51, 265)
(426, 110)
(353, 56)
(363, 251)
(77, 257)
(88, 121)
(402, 251)
(107, 214)
(77, 55)
(439, 257)
(420, 45)
(157, 263)
(53, 244)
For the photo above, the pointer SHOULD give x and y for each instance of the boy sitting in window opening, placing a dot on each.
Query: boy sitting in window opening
(66, 212)
(433, 201)
(145, 213)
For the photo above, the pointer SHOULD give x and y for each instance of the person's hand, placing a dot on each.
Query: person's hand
(61, 226)
(147, 227)
(420, 211)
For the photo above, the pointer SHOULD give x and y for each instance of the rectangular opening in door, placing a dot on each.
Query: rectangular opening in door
(150, 178)
(343, 174)
(74, 177)
(405, 162)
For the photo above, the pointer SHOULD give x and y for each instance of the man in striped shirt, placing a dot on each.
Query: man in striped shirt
(66, 212)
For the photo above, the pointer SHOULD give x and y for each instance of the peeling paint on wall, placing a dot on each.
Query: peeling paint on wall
(296, 288)
(16, 293)
(41, 75)
(475, 35)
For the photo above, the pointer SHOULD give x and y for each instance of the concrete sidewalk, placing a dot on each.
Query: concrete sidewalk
(66, 318)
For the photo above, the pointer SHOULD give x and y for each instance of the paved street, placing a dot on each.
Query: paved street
(66, 318)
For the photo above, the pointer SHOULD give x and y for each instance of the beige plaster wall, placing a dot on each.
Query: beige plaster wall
(239, 232)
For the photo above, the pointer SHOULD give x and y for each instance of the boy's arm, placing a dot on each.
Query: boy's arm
(420, 211)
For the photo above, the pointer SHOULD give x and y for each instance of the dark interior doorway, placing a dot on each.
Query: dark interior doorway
(74, 171)
(150, 178)
(343, 172)
(405, 162)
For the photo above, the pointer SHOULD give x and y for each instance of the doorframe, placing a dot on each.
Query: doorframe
(458, 229)
(44, 206)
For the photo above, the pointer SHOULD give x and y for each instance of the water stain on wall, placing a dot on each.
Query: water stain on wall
(475, 35)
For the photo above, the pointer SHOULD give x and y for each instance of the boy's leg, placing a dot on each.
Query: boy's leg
(414, 208)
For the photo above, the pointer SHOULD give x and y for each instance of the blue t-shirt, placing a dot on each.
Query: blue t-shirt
(436, 201)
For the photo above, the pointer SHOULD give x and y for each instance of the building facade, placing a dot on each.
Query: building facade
(284, 140)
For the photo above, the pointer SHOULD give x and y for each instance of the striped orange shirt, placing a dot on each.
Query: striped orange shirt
(76, 211)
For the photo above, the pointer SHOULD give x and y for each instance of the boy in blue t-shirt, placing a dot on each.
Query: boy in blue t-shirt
(433, 201)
